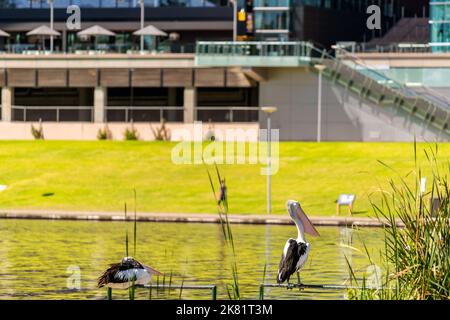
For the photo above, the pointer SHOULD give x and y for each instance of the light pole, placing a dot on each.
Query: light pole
(268, 111)
(50, 3)
(234, 2)
(320, 68)
(142, 4)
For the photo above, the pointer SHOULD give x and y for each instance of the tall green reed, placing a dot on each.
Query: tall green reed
(222, 209)
(416, 256)
(132, 289)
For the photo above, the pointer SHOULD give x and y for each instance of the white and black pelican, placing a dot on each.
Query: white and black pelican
(122, 275)
(296, 251)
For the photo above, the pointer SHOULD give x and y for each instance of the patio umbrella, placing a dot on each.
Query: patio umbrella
(150, 31)
(4, 34)
(43, 31)
(96, 31)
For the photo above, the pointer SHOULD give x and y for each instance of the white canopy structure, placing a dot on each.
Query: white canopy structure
(43, 31)
(96, 31)
(4, 34)
(150, 31)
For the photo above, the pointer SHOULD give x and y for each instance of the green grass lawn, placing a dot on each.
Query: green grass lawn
(101, 176)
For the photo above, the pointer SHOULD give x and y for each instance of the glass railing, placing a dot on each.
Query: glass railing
(272, 3)
(42, 4)
(253, 53)
(261, 49)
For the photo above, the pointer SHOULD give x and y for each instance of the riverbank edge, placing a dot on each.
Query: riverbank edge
(256, 219)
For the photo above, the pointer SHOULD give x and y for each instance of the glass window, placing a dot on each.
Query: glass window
(440, 26)
(272, 20)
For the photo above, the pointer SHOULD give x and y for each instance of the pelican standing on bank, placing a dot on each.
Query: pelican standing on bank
(122, 275)
(296, 251)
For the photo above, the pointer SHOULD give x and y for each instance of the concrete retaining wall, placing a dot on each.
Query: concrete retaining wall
(88, 131)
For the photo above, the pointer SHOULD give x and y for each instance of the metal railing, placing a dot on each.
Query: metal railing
(354, 47)
(159, 287)
(334, 287)
(241, 53)
(383, 90)
(128, 110)
(56, 110)
(411, 91)
(254, 48)
(230, 111)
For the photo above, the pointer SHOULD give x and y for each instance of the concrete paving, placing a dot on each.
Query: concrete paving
(188, 217)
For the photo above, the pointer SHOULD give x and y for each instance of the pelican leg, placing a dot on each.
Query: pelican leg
(300, 284)
(289, 286)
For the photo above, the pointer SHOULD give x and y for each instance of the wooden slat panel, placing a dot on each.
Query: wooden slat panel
(2, 78)
(82, 78)
(177, 77)
(52, 78)
(146, 78)
(21, 78)
(114, 77)
(210, 77)
(238, 79)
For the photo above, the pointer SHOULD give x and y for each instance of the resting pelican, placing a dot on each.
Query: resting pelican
(121, 275)
(296, 251)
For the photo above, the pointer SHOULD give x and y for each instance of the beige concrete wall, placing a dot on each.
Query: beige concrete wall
(100, 102)
(345, 115)
(7, 103)
(88, 131)
(405, 60)
(100, 61)
(190, 101)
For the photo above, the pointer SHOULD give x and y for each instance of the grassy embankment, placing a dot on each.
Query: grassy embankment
(100, 176)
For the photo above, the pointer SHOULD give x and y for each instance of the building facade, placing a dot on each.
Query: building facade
(440, 25)
(85, 82)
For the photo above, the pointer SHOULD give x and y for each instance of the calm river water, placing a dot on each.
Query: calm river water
(36, 257)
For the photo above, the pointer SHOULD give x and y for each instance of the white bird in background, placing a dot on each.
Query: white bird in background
(296, 251)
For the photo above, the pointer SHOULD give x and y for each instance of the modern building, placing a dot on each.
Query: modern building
(440, 25)
(323, 22)
(198, 74)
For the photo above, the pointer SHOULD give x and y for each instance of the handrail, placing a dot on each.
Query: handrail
(212, 288)
(143, 107)
(403, 87)
(53, 107)
(129, 109)
(226, 108)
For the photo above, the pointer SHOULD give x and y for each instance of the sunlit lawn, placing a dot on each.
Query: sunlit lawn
(101, 176)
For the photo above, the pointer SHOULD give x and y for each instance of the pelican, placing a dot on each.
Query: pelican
(122, 275)
(296, 251)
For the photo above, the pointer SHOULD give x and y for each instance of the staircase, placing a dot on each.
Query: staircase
(428, 107)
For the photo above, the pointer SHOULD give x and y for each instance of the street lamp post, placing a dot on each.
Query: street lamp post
(142, 4)
(50, 3)
(268, 111)
(320, 68)
(234, 2)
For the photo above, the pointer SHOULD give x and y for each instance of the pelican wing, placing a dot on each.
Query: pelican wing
(294, 252)
(152, 271)
(109, 275)
(288, 261)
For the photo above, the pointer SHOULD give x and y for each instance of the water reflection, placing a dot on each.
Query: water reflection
(35, 255)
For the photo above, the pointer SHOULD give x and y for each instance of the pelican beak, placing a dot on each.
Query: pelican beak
(152, 271)
(307, 224)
